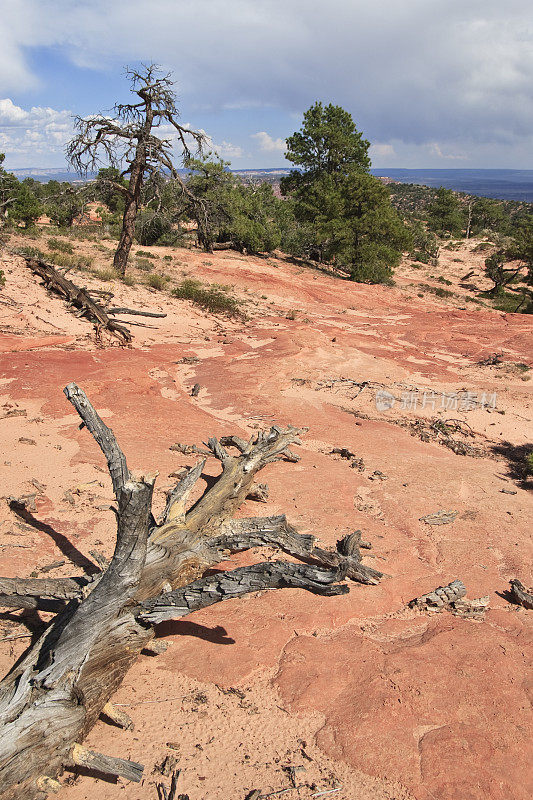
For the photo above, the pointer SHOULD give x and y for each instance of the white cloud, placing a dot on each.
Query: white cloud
(436, 150)
(382, 151)
(228, 150)
(415, 71)
(269, 145)
(35, 133)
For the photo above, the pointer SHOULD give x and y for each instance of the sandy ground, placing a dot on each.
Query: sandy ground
(358, 693)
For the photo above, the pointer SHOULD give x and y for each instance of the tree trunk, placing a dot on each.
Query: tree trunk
(127, 234)
(54, 695)
(132, 200)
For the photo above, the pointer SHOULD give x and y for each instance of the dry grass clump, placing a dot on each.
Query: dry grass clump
(105, 274)
(144, 264)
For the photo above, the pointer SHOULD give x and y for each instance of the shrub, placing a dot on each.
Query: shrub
(2, 278)
(30, 252)
(106, 274)
(151, 226)
(441, 279)
(482, 246)
(128, 280)
(80, 262)
(60, 246)
(371, 272)
(156, 281)
(436, 290)
(214, 298)
(146, 254)
(511, 303)
(144, 264)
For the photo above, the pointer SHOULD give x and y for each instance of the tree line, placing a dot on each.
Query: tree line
(332, 210)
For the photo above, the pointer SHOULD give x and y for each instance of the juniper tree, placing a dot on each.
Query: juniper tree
(128, 140)
(344, 214)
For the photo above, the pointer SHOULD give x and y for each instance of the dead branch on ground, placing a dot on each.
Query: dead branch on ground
(83, 300)
(54, 694)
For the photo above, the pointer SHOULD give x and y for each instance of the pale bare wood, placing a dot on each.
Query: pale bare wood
(120, 767)
(119, 717)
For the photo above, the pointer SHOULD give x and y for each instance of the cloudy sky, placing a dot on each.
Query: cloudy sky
(431, 83)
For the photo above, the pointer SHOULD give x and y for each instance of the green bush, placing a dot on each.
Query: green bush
(156, 281)
(151, 227)
(214, 298)
(2, 278)
(80, 262)
(436, 290)
(60, 246)
(146, 254)
(30, 252)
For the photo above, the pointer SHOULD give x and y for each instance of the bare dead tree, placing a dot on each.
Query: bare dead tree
(127, 140)
(55, 693)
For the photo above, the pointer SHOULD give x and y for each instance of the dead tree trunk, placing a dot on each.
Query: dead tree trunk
(54, 695)
(132, 199)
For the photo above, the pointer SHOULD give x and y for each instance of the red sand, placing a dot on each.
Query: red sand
(391, 703)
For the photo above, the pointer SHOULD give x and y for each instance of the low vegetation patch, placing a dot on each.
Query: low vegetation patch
(60, 245)
(157, 281)
(511, 302)
(214, 298)
(80, 262)
(106, 274)
(439, 291)
(146, 254)
(144, 264)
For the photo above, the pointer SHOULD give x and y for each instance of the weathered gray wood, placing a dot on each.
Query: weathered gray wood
(237, 582)
(120, 767)
(41, 588)
(177, 498)
(55, 694)
(78, 297)
(441, 596)
(520, 595)
(104, 436)
(258, 492)
(119, 717)
(241, 534)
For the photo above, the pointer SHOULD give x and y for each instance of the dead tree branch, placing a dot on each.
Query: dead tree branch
(82, 299)
(53, 696)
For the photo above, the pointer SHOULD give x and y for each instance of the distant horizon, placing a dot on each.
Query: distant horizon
(65, 168)
(498, 183)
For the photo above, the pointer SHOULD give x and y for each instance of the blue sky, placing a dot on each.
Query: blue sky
(431, 83)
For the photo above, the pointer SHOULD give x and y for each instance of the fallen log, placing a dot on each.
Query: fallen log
(82, 299)
(53, 696)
